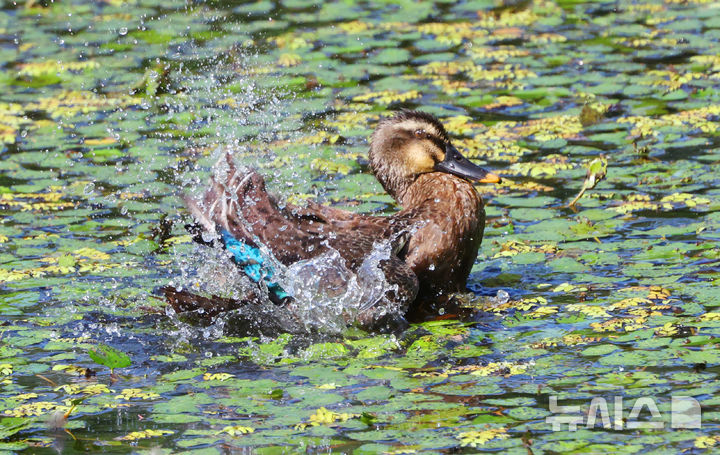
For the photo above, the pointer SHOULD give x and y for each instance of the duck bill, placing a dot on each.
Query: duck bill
(456, 164)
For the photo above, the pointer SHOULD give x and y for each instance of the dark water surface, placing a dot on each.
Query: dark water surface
(109, 110)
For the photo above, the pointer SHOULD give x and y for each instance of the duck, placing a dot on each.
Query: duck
(431, 242)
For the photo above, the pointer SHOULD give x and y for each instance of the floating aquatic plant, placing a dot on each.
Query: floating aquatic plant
(112, 109)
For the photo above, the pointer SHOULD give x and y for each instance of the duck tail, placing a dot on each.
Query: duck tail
(185, 302)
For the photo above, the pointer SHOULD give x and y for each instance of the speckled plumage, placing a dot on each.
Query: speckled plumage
(435, 236)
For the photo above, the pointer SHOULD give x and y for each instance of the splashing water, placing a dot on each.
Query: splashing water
(328, 296)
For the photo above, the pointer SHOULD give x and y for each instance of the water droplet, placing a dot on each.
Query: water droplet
(123, 31)
(501, 298)
(89, 188)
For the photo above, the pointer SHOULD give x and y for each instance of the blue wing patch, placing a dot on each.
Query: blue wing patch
(255, 265)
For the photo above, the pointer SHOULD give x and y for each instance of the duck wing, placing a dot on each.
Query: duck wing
(237, 205)
(248, 221)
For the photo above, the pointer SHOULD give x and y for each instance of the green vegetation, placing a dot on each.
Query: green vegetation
(111, 109)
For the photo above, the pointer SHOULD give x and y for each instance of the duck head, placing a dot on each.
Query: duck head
(412, 143)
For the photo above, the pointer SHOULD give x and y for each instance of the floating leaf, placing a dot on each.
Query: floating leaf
(145, 434)
(480, 437)
(236, 430)
(109, 357)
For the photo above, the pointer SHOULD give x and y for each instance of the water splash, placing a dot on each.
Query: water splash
(500, 299)
(328, 296)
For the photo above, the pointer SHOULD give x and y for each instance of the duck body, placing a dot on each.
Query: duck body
(431, 243)
(442, 252)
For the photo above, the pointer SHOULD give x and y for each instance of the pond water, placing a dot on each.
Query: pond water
(110, 110)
